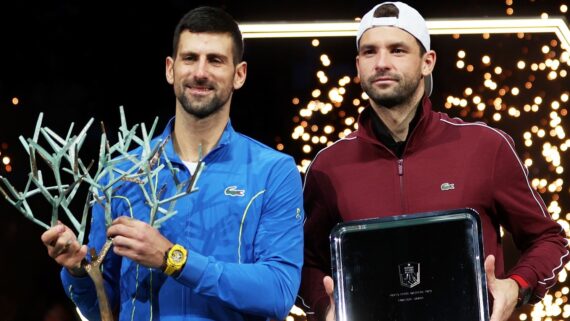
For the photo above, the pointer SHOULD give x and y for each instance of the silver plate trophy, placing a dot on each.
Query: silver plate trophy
(417, 267)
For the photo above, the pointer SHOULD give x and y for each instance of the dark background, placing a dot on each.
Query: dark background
(74, 60)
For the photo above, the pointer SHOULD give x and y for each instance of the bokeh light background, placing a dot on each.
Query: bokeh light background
(302, 94)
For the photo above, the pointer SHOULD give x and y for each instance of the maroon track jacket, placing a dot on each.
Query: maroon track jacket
(447, 164)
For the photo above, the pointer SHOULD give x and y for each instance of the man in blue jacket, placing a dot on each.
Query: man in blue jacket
(237, 243)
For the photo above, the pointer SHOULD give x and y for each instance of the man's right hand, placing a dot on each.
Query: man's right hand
(329, 288)
(63, 247)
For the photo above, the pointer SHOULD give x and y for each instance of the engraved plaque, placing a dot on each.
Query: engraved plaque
(416, 267)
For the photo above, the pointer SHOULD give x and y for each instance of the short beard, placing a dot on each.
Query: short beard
(401, 94)
(214, 106)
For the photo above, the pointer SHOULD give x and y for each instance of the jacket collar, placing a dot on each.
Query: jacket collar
(227, 136)
(365, 127)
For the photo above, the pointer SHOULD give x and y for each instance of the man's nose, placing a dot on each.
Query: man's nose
(383, 61)
(201, 70)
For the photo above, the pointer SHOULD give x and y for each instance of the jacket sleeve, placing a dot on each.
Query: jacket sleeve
(522, 211)
(82, 290)
(269, 285)
(322, 216)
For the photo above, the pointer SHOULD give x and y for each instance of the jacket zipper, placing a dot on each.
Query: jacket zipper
(401, 175)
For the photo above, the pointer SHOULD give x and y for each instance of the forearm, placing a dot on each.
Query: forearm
(521, 210)
(266, 288)
(321, 218)
(540, 263)
(81, 291)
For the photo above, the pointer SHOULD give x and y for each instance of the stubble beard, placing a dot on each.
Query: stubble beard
(398, 96)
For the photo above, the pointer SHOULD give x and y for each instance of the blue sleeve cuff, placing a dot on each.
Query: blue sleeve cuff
(68, 279)
(193, 270)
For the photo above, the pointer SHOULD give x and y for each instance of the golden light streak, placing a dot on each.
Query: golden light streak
(436, 27)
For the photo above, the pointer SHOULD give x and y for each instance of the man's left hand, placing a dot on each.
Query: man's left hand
(505, 292)
(138, 241)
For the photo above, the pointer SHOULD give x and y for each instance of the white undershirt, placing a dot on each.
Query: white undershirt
(191, 166)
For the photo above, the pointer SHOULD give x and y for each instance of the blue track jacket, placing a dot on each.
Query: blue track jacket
(243, 230)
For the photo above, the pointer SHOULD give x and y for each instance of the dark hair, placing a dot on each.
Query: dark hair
(210, 19)
(390, 10)
(387, 10)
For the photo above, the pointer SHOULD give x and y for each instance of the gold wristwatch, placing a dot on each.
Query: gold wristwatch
(174, 259)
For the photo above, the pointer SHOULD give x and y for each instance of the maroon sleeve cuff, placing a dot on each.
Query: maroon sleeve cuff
(524, 274)
(523, 284)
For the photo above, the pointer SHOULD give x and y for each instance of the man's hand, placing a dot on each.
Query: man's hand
(138, 241)
(329, 288)
(63, 247)
(504, 291)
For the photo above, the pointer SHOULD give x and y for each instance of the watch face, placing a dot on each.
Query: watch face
(177, 256)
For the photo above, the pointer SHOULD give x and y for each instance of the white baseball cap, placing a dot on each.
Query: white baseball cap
(408, 19)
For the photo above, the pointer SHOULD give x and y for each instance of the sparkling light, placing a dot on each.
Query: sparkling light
(325, 60)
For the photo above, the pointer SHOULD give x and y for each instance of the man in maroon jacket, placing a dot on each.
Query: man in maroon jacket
(406, 158)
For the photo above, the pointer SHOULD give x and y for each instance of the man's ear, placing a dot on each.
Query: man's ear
(428, 63)
(169, 70)
(240, 75)
(357, 66)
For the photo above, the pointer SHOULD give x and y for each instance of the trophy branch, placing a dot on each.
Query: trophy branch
(134, 158)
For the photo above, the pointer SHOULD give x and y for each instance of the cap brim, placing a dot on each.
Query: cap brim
(428, 83)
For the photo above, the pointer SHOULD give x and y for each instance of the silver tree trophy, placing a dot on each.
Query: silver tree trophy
(115, 166)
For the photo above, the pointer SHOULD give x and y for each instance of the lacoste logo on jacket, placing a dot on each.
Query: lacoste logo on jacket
(233, 191)
(447, 186)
